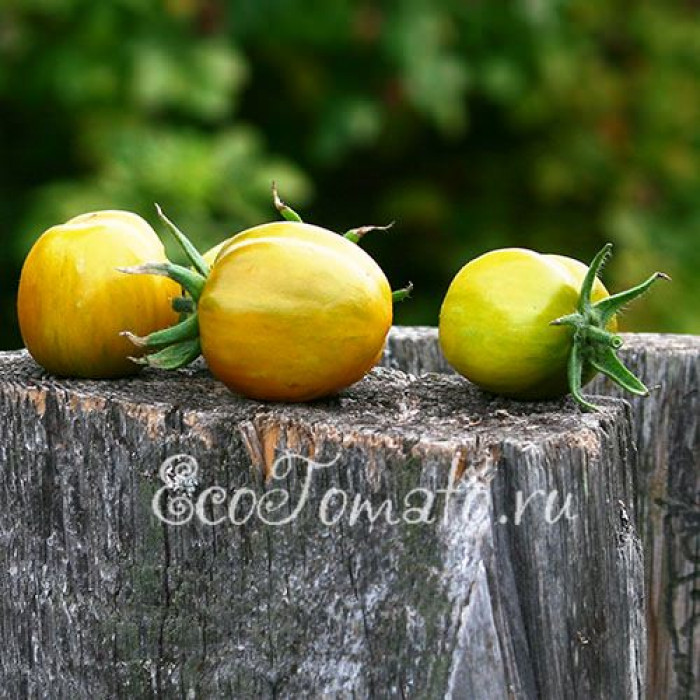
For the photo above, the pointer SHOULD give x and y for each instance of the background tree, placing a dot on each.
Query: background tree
(553, 125)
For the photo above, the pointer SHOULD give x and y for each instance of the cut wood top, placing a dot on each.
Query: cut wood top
(474, 602)
(432, 407)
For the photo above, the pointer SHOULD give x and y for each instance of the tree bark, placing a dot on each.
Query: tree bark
(667, 488)
(100, 598)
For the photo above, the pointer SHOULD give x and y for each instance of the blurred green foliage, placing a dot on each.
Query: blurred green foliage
(549, 124)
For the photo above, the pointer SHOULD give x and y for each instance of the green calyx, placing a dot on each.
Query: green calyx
(179, 345)
(354, 235)
(593, 347)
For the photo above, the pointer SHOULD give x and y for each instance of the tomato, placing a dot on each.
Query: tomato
(211, 255)
(285, 311)
(533, 326)
(73, 302)
(291, 312)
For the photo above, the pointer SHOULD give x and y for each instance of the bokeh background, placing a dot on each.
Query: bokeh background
(555, 125)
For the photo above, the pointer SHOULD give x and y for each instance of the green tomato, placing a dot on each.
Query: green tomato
(533, 326)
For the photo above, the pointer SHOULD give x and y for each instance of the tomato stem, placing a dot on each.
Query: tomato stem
(592, 345)
(605, 338)
(183, 305)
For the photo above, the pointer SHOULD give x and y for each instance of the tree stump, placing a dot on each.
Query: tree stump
(667, 488)
(522, 576)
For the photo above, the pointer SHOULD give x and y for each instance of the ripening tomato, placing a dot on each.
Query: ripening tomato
(211, 255)
(291, 312)
(285, 311)
(73, 302)
(534, 326)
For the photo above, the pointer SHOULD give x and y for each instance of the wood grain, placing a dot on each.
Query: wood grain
(667, 488)
(101, 599)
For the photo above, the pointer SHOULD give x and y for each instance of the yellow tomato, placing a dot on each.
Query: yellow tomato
(292, 312)
(211, 255)
(73, 302)
(495, 321)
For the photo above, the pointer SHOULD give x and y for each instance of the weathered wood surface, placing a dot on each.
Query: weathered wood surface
(667, 434)
(100, 599)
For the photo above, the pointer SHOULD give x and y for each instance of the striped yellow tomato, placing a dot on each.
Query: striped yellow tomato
(73, 302)
(291, 312)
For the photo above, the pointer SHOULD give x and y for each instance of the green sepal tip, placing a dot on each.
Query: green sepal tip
(187, 329)
(192, 281)
(355, 235)
(402, 294)
(284, 209)
(606, 361)
(612, 305)
(172, 357)
(193, 255)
